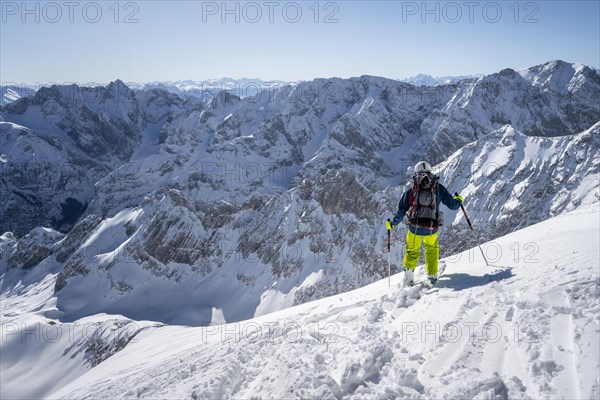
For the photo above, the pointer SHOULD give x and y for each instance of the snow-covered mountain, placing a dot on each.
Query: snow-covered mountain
(124, 210)
(554, 99)
(525, 328)
(209, 88)
(10, 93)
(58, 143)
(428, 80)
(244, 206)
(205, 90)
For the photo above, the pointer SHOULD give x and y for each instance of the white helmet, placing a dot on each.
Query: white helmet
(422, 166)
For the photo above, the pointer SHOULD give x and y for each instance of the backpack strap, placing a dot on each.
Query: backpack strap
(435, 195)
(413, 198)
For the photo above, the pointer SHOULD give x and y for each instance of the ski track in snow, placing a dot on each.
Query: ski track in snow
(524, 330)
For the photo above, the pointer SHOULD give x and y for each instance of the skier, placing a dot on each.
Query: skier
(421, 208)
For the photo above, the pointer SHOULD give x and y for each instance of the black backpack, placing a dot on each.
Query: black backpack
(422, 199)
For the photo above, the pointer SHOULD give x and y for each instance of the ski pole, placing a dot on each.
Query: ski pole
(471, 226)
(389, 228)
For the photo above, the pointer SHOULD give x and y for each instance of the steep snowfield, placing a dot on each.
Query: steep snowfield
(40, 355)
(526, 328)
(511, 180)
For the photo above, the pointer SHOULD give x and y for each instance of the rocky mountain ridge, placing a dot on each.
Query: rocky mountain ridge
(247, 205)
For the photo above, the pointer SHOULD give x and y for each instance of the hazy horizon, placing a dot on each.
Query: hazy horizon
(147, 41)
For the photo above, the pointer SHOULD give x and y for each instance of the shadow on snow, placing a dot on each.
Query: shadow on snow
(463, 281)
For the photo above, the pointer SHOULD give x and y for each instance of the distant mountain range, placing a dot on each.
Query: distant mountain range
(207, 89)
(243, 87)
(428, 80)
(204, 89)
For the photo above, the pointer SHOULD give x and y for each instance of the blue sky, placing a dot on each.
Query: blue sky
(143, 41)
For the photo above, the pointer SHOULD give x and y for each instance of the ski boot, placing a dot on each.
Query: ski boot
(432, 278)
(409, 277)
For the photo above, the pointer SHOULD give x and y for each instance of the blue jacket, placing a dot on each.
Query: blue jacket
(443, 196)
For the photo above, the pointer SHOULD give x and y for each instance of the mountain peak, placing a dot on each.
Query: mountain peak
(508, 72)
(558, 64)
(224, 98)
(118, 88)
(117, 82)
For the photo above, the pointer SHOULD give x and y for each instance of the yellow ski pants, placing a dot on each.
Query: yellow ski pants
(413, 252)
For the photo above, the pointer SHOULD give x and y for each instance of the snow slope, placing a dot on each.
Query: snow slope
(40, 355)
(525, 328)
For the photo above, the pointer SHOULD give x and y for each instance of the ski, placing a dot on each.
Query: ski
(425, 285)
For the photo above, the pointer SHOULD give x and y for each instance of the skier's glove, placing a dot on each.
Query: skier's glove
(458, 197)
(389, 225)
